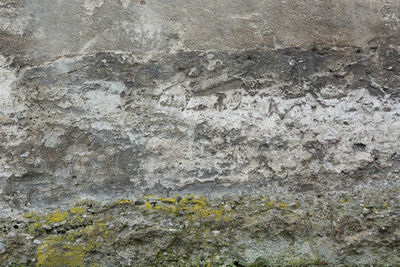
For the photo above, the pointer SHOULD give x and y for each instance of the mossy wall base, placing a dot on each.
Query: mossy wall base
(192, 230)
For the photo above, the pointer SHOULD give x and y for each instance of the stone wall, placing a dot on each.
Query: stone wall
(296, 100)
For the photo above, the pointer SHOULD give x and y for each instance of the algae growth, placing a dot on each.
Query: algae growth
(192, 230)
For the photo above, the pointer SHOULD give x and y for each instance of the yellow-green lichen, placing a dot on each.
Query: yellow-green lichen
(123, 201)
(283, 205)
(194, 207)
(345, 201)
(86, 233)
(167, 199)
(56, 217)
(77, 210)
(147, 205)
(73, 217)
(54, 252)
(79, 235)
(67, 250)
(271, 204)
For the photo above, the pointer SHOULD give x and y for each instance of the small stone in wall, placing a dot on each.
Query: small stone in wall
(228, 207)
(11, 235)
(47, 227)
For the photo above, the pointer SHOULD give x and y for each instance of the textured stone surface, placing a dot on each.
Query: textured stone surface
(117, 99)
(192, 231)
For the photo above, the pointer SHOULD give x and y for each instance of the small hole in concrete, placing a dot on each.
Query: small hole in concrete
(359, 147)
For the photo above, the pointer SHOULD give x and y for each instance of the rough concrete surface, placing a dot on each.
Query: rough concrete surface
(293, 106)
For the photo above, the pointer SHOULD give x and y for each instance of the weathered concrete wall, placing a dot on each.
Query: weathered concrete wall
(117, 99)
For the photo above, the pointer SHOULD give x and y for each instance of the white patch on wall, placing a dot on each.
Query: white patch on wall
(104, 102)
(147, 31)
(126, 3)
(333, 124)
(8, 22)
(52, 139)
(91, 5)
(6, 80)
(5, 170)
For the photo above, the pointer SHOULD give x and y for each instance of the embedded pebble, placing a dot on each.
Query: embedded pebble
(1, 246)
(37, 242)
(28, 237)
(178, 199)
(227, 207)
(366, 211)
(47, 227)
(11, 235)
(215, 232)
(293, 205)
(197, 224)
